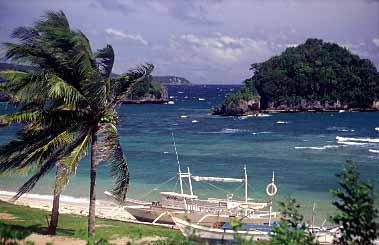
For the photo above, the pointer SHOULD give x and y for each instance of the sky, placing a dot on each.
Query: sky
(212, 41)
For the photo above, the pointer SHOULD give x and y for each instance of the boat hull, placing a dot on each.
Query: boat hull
(199, 232)
(151, 214)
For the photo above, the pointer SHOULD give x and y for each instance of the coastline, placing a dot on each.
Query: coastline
(70, 205)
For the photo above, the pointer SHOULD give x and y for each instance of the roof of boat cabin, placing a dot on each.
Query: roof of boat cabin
(178, 194)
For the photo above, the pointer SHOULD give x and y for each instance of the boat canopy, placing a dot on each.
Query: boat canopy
(217, 179)
(168, 193)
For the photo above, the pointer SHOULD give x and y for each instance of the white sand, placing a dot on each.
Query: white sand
(69, 205)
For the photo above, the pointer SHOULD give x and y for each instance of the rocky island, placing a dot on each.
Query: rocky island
(148, 91)
(314, 76)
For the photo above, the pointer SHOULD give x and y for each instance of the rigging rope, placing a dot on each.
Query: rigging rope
(157, 187)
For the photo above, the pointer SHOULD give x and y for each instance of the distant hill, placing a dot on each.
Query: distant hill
(171, 80)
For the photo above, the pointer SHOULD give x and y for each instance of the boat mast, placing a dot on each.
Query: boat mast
(189, 181)
(245, 183)
(270, 212)
(177, 159)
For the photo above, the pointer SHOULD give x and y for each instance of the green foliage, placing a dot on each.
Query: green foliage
(314, 71)
(356, 213)
(145, 88)
(9, 232)
(291, 229)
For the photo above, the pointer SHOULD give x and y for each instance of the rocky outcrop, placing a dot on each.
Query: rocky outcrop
(149, 98)
(243, 107)
(306, 105)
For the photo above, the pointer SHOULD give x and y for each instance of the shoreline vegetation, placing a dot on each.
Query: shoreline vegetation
(314, 76)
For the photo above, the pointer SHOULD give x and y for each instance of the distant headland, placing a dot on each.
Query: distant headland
(314, 76)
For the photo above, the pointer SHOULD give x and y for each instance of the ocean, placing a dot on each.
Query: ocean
(305, 150)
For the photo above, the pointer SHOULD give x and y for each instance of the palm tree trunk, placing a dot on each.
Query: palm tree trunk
(92, 197)
(55, 211)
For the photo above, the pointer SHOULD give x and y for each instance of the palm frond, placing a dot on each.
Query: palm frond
(53, 20)
(70, 162)
(59, 89)
(25, 34)
(60, 140)
(14, 80)
(109, 149)
(123, 85)
(105, 60)
(42, 170)
(120, 173)
(24, 116)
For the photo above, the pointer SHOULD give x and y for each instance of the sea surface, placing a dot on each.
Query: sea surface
(304, 149)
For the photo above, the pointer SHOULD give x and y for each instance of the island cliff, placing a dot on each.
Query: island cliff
(314, 76)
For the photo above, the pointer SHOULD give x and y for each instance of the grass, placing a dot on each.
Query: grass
(34, 220)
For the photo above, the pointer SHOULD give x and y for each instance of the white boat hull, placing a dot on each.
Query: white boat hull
(199, 232)
(148, 213)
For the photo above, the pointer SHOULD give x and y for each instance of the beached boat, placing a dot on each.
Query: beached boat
(203, 211)
(249, 232)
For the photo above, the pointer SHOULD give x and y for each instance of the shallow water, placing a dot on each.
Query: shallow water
(304, 149)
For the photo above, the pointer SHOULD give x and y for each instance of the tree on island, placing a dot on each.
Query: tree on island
(67, 106)
(356, 213)
(315, 75)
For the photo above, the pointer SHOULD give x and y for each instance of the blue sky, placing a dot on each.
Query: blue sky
(212, 41)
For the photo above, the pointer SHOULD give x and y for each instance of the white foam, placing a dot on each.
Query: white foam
(263, 132)
(201, 99)
(373, 151)
(340, 129)
(195, 121)
(263, 115)
(165, 152)
(281, 122)
(377, 129)
(171, 97)
(317, 147)
(171, 102)
(180, 92)
(351, 143)
(183, 116)
(186, 97)
(366, 140)
(230, 130)
(63, 198)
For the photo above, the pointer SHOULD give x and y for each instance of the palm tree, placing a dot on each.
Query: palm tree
(68, 104)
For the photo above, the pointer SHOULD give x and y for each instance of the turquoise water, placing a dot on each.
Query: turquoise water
(302, 149)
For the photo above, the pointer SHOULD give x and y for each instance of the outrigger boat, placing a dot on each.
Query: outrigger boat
(248, 232)
(203, 211)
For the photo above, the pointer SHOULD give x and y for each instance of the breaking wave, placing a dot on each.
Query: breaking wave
(281, 122)
(316, 147)
(361, 140)
(373, 151)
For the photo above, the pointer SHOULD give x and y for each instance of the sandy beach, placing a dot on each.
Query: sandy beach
(69, 205)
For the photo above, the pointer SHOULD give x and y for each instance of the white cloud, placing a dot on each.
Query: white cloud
(227, 48)
(122, 35)
(376, 41)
